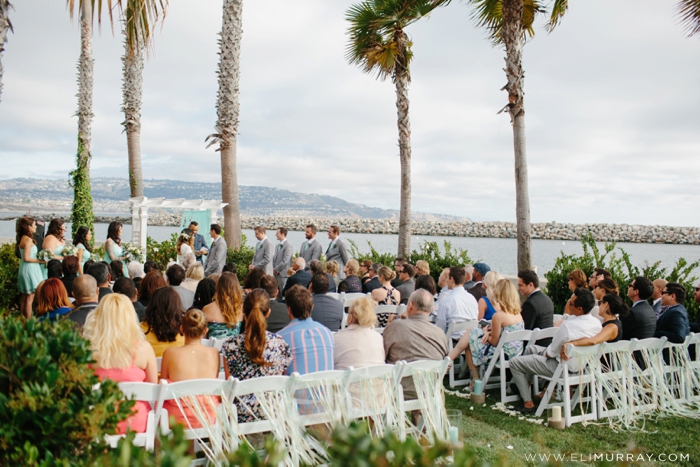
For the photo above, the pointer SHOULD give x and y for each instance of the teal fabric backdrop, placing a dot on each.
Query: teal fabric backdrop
(203, 218)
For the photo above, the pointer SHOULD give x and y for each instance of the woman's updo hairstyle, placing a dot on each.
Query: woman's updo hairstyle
(194, 324)
(386, 273)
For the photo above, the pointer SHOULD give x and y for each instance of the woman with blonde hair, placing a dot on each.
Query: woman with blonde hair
(386, 294)
(194, 274)
(480, 344)
(351, 283)
(359, 344)
(225, 313)
(185, 245)
(121, 352)
(255, 352)
(486, 308)
(422, 268)
(333, 268)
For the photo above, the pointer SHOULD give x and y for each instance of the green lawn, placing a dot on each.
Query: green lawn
(491, 432)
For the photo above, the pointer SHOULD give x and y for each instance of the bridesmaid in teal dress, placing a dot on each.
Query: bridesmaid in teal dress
(54, 241)
(81, 241)
(29, 267)
(113, 246)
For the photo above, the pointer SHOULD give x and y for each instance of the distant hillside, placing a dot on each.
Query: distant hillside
(110, 195)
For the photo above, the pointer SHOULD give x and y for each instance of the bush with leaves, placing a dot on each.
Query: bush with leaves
(9, 270)
(241, 257)
(50, 413)
(162, 252)
(618, 262)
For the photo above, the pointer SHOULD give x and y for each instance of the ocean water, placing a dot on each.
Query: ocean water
(498, 253)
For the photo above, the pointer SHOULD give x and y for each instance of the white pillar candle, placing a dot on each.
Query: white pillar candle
(556, 414)
(454, 435)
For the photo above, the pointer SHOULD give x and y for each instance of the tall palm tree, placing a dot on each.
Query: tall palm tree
(689, 11)
(5, 25)
(228, 110)
(378, 44)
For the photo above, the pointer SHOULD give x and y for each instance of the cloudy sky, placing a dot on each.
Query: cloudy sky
(613, 130)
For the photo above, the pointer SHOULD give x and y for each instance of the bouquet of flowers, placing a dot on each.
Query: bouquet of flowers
(45, 255)
(70, 250)
(133, 253)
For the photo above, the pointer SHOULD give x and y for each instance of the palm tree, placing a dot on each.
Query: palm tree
(5, 25)
(689, 12)
(378, 44)
(228, 109)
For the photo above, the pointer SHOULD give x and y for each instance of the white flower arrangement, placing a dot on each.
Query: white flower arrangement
(70, 250)
(133, 253)
(185, 235)
(45, 255)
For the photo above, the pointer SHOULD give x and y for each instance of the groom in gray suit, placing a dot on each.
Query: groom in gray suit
(337, 250)
(263, 251)
(282, 259)
(217, 253)
(310, 249)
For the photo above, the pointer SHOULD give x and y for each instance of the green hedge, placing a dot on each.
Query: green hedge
(616, 260)
(9, 270)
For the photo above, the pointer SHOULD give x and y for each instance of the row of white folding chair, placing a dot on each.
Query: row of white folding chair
(500, 361)
(147, 392)
(465, 326)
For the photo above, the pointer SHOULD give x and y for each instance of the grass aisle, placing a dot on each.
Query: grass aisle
(491, 432)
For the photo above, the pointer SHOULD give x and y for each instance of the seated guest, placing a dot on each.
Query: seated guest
(673, 323)
(100, 272)
(422, 268)
(332, 269)
(459, 306)
(255, 352)
(204, 295)
(54, 269)
(351, 283)
(70, 266)
(365, 267)
(151, 282)
(372, 282)
(86, 295)
(426, 282)
(480, 271)
(252, 280)
(311, 343)
(229, 267)
(601, 289)
(443, 290)
(538, 360)
(121, 352)
(386, 294)
(408, 285)
(695, 327)
(317, 266)
(163, 319)
(359, 344)
(194, 274)
(116, 270)
(149, 266)
(224, 314)
(481, 343)
(300, 277)
(176, 274)
(191, 361)
(87, 266)
(598, 275)
(135, 270)
(640, 323)
(278, 317)
(538, 310)
(577, 279)
(326, 310)
(656, 296)
(52, 300)
(486, 309)
(414, 338)
(468, 274)
(126, 286)
(398, 266)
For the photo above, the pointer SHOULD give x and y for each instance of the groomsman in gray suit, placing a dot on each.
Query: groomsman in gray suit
(263, 251)
(337, 250)
(310, 249)
(217, 253)
(282, 260)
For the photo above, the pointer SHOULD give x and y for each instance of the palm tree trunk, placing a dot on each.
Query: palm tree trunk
(132, 89)
(82, 214)
(5, 25)
(228, 110)
(514, 40)
(401, 80)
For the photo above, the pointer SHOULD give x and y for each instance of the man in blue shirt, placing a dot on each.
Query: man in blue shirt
(311, 343)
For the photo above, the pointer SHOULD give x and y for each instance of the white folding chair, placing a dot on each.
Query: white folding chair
(649, 387)
(615, 381)
(539, 334)
(147, 392)
(372, 393)
(334, 295)
(159, 363)
(500, 361)
(383, 312)
(217, 343)
(347, 299)
(320, 397)
(455, 327)
(556, 318)
(692, 346)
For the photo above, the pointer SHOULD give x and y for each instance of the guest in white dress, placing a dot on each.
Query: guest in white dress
(359, 344)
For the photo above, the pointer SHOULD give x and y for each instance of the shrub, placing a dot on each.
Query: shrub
(242, 257)
(51, 414)
(162, 252)
(9, 270)
(621, 269)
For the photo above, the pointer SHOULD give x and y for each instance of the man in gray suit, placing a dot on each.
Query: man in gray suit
(282, 259)
(263, 251)
(310, 249)
(217, 253)
(337, 250)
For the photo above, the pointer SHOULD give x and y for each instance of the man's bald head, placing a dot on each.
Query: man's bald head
(420, 301)
(85, 289)
(659, 285)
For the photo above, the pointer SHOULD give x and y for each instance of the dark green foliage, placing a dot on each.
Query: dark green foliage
(241, 257)
(617, 261)
(162, 252)
(9, 270)
(50, 413)
(81, 213)
(171, 451)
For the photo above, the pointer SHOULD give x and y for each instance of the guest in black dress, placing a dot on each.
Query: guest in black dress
(351, 283)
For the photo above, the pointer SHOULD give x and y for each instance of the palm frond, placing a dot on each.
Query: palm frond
(559, 8)
(689, 13)
(488, 14)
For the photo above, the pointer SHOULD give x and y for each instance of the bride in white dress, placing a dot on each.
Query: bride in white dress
(185, 246)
